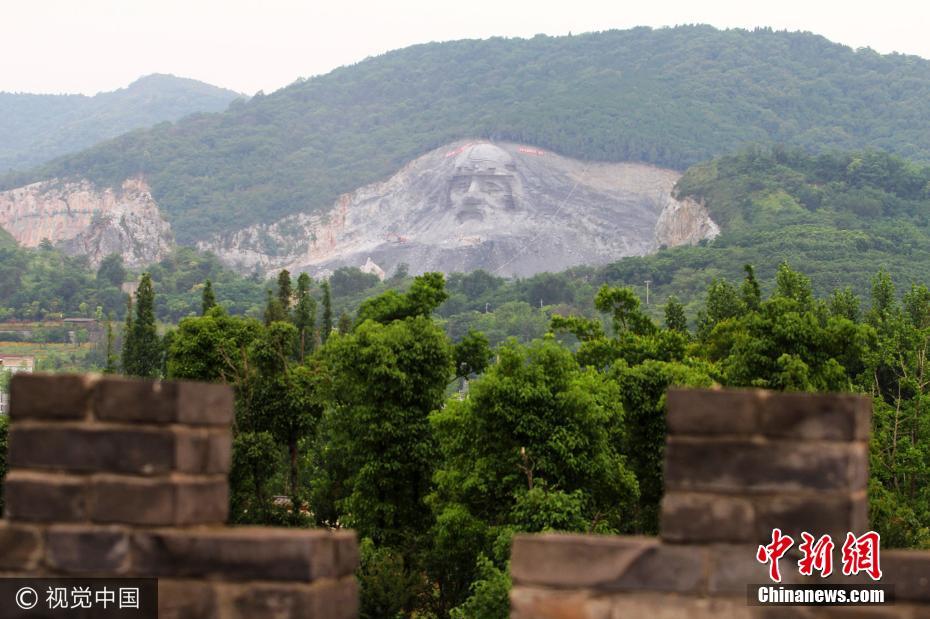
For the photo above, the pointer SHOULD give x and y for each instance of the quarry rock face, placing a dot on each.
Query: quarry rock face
(82, 219)
(505, 208)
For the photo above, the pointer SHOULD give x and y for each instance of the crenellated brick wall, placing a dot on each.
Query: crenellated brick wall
(737, 465)
(116, 477)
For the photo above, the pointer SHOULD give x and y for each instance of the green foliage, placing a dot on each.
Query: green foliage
(386, 380)
(36, 128)
(111, 271)
(142, 348)
(490, 593)
(472, 354)
(669, 96)
(208, 299)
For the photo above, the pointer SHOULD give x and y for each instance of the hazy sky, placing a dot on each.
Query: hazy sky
(249, 45)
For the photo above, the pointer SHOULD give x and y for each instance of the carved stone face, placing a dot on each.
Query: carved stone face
(483, 181)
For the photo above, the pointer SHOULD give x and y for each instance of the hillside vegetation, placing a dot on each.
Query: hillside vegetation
(36, 128)
(672, 97)
(840, 215)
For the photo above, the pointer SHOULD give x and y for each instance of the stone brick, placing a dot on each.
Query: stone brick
(327, 599)
(818, 514)
(246, 553)
(45, 497)
(696, 517)
(204, 404)
(909, 572)
(49, 396)
(186, 599)
(80, 549)
(159, 501)
(201, 501)
(565, 560)
(806, 417)
(538, 603)
(20, 547)
(734, 566)
(203, 451)
(133, 500)
(700, 412)
(346, 553)
(665, 567)
(739, 466)
(76, 448)
(118, 398)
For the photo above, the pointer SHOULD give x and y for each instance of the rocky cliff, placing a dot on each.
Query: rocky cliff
(506, 208)
(82, 219)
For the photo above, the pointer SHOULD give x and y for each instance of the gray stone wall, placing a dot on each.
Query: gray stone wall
(737, 465)
(115, 477)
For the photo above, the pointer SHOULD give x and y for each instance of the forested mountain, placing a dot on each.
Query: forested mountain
(840, 215)
(672, 96)
(36, 128)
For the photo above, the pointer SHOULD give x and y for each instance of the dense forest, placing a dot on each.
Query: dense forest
(37, 128)
(672, 96)
(438, 451)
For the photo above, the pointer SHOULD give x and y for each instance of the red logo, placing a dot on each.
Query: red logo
(860, 554)
(773, 552)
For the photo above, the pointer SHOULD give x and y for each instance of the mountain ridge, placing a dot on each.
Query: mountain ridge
(37, 127)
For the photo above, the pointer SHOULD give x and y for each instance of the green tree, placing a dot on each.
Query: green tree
(327, 327)
(472, 354)
(534, 446)
(274, 311)
(111, 360)
(675, 318)
(285, 290)
(111, 271)
(142, 348)
(208, 299)
(305, 314)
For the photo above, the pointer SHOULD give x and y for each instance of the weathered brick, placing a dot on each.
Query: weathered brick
(538, 603)
(75, 448)
(327, 599)
(132, 500)
(346, 553)
(118, 398)
(204, 404)
(79, 549)
(49, 396)
(203, 451)
(201, 501)
(806, 416)
(734, 566)
(700, 412)
(20, 546)
(724, 465)
(160, 501)
(45, 497)
(665, 567)
(909, 572)
(690, 517)
(246, 553)
(186, 599)
(818, 514)
(574, 560)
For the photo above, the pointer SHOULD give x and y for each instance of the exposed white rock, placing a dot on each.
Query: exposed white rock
(507, 208)
(82, 219)
(372, 268)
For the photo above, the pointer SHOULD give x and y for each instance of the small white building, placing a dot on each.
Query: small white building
(13, 364)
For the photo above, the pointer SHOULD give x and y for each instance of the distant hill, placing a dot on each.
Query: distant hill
(37, 128)
(672, 97)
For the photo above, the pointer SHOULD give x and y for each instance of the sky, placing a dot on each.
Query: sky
(88, 46)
